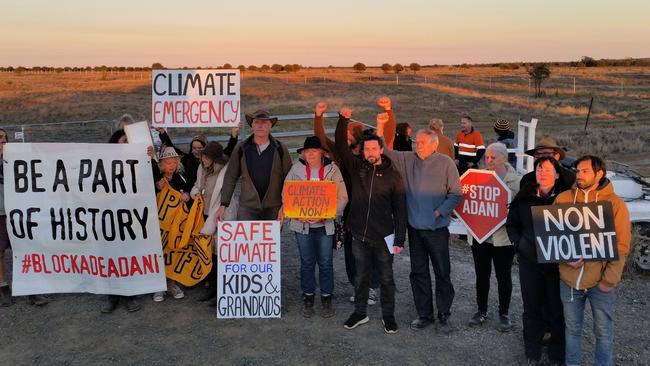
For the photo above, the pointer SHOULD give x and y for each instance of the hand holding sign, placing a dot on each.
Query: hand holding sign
(320, 108)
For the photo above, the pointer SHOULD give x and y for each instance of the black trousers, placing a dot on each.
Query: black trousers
(484, 255)
(425, 245)
(540, 283)
(367, 256)
(350, 266)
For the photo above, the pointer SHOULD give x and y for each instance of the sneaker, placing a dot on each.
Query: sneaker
(5, 295)
(110, 305)
(505, 325)
(390, 326)
(159, 296)
(132, 305)
(308, 305)
(176, 291)
(328, 309)
(372, 296)
(421, 323)
(38, 300)
(355, 320)
(478, 319)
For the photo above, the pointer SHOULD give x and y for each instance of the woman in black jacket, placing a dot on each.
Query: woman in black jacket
(540, 283)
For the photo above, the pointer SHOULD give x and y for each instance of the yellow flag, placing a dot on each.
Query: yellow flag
(188, 254)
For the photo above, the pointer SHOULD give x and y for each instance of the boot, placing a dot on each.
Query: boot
(209, 293)
(308, 305)
(132, 305)
(38, 300)
(5, 295)
(328, 308)
(111, 304)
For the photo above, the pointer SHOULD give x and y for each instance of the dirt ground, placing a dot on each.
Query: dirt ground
(72, 331)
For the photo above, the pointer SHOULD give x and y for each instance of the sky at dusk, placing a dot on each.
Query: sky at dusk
(210, 33)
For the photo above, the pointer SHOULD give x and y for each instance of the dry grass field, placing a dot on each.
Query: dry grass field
(618, 127)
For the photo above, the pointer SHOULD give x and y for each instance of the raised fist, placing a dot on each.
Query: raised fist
(346, 112)
(384, 102)
(320, 108)
(382, 118)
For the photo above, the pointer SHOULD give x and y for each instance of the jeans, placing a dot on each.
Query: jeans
(602, 308)
(484, 254)
(316, 247)
(425, 245)
(351, 268)
(540, 286)
(367, 256)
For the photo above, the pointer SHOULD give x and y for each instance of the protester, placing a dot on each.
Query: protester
(595, 281)
(496, 249)
(315, 236)
(125, 120)
(432, 192)
(113, 301)
(262, 162)
(171, 172)
(506, 137)
(445, 145)
(540, 282)
(354, 138)
(403, 141)
(377, 190)
(469, 147)
(547, 146)
(209, 180)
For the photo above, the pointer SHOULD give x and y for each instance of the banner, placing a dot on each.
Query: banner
(188, 254)
(568, 232)
(195, 98)
(248, 269)
(309, 199)
(82, 218)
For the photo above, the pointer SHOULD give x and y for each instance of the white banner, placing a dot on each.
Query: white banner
(248, 266)
(82, 218)
(195, 98)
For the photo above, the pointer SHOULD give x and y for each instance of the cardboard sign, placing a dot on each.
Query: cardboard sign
(568, 232)
(483, 206)
(309, 199)
(188, 254)
(249, 269)
(195, 98)
(82, 218)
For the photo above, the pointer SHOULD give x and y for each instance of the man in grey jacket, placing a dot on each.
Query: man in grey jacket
(262, 162)
(432, 192)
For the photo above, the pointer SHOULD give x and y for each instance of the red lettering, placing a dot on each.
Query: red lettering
(64, 267)
(123, 263)
(84, 265)
(146, 263)
(101, 267)
(112, 269)
(135, 267)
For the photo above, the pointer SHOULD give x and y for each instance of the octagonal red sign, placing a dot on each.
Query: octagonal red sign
(483, 207)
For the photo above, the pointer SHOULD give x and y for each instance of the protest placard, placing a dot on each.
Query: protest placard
(568, 232)
(82, 218)
(309, 199)
(195, 98)
(248, 268)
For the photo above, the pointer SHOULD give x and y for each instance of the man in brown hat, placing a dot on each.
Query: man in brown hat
(547, 146)
(262, 162)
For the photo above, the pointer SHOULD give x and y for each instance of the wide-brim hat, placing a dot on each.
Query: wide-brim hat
(168, 152)
(548, 142)
(311, 142)
(261, 114)
(214, 151)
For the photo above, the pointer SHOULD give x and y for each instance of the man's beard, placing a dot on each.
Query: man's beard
(372, 159)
